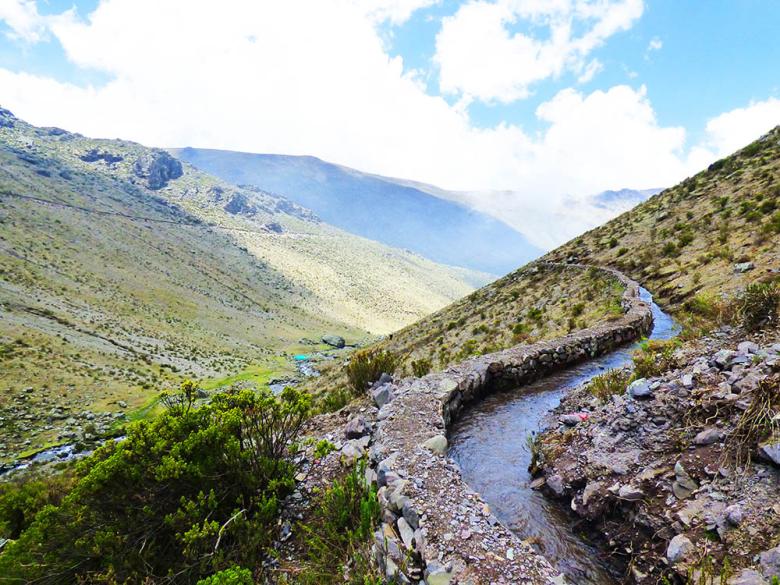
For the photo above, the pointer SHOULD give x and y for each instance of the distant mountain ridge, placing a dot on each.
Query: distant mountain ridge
(392, 211)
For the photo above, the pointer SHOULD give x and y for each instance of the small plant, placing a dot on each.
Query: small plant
(609, 383)
(421, 367)
(653, 358)
(323, 448)
(757, 305)
(338, 537)
(365, 367)
(534, 443)
(756, 423)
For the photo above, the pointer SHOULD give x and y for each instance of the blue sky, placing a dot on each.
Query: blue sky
(526, 108)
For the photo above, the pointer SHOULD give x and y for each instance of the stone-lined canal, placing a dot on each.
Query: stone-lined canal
(489, 442)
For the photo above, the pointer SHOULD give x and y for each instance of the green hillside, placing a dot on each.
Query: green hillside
(708, 236)
(124, 271)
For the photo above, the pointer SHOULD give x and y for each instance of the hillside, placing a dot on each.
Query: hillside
(124, 271)
(710, 235)
(397, 213)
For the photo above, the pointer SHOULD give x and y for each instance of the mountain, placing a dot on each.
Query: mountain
(706, 237)
(398, 213)
(124, 270)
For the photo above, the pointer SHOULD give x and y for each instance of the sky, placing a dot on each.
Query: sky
(526, 108)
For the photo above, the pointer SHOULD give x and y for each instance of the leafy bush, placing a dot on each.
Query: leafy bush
(194, 491)
(609, 383)
(21, 500)
(366, 366)
(232, 576)
(421, 367)
(757, 305)
(339, 536)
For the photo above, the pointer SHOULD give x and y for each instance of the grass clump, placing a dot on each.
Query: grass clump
(421, 367)
(186, 495)
(366, 366)
(338, 537)
(231, 576)
(605, 385)
(757, 305)
(654, 357)
(756, 423)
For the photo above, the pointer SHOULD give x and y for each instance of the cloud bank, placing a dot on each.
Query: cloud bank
(315, 77)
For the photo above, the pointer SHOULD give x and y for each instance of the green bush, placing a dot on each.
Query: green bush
(757, 305)
(192, 492)
(366, 366)
(421, 367)
(609, 383)
(339, 536)
(21, 500)
(232, 576)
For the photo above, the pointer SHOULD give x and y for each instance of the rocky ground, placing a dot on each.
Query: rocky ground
(680, 474)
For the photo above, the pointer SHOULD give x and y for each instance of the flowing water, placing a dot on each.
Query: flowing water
(489, 444)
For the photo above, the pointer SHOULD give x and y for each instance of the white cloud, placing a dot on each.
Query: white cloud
(257, 77)
(479, 55)
(395, 11)
(741, 126)
(23, 19)
(655, 44)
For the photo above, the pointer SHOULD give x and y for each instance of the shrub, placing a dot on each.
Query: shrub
(190, 493)
(609, 383)
(21, 500)
(654, 357)
(366, 366)
(338, 537)
(757, 305)
(577, 309)
(232, 576)
(421, 367)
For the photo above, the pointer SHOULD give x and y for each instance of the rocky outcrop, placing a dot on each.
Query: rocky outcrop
(157, 168)
(434, 526)
(667, 474)
(7, 119)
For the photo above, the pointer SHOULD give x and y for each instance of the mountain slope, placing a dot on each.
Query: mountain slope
(686, 242)
(122, 271)
(391, 211)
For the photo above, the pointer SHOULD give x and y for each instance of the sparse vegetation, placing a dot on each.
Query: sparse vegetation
(366, 366)
(609, 383)
(654, 357)
(757, 306)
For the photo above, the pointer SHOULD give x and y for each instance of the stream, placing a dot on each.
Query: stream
(489, 443)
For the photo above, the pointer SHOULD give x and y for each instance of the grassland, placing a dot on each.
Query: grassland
(122, 273)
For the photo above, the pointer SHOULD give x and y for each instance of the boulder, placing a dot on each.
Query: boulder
(640, 389)
(680, 548)
(734, 514)
(747, 347)
(708, 437)
(356, 427)
(748, 577)
(770, 451)
(383, 379)
(334, 341)
(770, 562)
(382, 395)
(742, 267)
(437, 444)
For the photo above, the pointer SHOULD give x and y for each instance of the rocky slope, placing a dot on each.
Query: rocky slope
(712, 234)
(680, 476)
(124, 270)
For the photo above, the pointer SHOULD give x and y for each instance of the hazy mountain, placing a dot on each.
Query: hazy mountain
(392, 211)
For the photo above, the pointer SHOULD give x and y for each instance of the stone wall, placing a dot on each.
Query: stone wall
(435, 528)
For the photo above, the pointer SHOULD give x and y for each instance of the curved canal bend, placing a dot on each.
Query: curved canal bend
(489, 443)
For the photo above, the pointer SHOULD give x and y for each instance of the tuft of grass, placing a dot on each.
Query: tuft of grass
(757, 305)
(654, 357)
(366, 366)
(609, 383)
(756, 423)
(421, 367)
